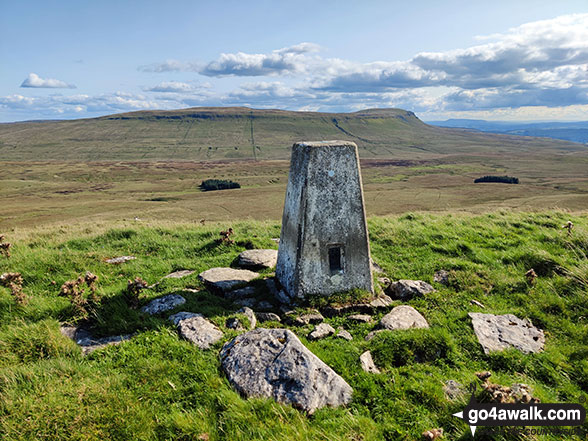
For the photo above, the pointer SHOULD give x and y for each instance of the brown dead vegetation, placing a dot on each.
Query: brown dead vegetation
(14, 281)
(75, 291)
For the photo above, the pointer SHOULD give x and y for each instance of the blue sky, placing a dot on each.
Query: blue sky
(500, 60)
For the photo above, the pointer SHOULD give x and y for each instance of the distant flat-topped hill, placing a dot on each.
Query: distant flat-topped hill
(221, 133)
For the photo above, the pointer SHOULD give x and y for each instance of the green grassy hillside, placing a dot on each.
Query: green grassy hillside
(242, 133)
(158, 387)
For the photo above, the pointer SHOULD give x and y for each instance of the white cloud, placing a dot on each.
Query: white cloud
(34, 80)
(173, 87)
(170, 66)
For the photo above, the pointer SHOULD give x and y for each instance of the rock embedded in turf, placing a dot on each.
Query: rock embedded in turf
(442, 277)
(367, 363)
(407, 289)
(342, 333)
(309, 319)
(199, 331)
(321, 330)
(499, 332)
(267, 317)
(226, 279)
(258, 259)
(179, 274)
(118, 260)
(377, 304)
(248, 302)
(240, 293)
(274, 363)
(88, 342)
(403, 317)
(453, 390)
(361, 318)
(163, 304)
(234, 323)
(183, 315)
(248, 312)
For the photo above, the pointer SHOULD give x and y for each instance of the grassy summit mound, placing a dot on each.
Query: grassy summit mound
(157, 386)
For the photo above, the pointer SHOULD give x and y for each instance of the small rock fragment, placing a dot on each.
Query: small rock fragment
(362, 318)
(403, 317)
(475, 302)
(407, 289)
(321, 330)
(367, 363)
(179, 274)
(199, 331)
(453, 390)
(268, 317)
(183, 315)
(163, 304)
(442, 277)
(234, 323)
(121, 259)
(342, 333)
(433, 434)
(307, 319)
(240, 293)
(248, 312)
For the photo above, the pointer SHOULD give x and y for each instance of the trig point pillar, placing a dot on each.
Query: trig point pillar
(324, 245)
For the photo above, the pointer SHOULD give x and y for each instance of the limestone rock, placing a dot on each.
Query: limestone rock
(407, 289)
(345, 335)
(234, 323)
(308, 319)
(163, 304)
(256, 259)
(199, 331)
(248, 312)
(265, 305)
(240, 293)
(283, 298)
(88, 342)
(274, 363)
(376, 268)
(225, 279)
(178, 317)
(248, 302)
(361, 318)
(321, 330)
(442, 277)
(377, 304)
(373, 333)
(403, 317)
(367, 363)
(498, 332)
(268, 317)
(121, 259)
(179, 274)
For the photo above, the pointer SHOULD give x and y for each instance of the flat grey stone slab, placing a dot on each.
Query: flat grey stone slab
(360, 318)
(442, 277)
(199, 331)
(163, 304)
(498, 332)
(120, 259)
(321, 330)
(88, 342)
(179, 274)
(407, 289)
(267, 317)
(309, 319)
(226, 279)
(345, 335)
(240, 293)
(249, 302)
(274, 363)
(377, 304)
(403, 317)
(178, 317)
(256, 259)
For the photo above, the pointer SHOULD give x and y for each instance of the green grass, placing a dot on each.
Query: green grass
(158, 387)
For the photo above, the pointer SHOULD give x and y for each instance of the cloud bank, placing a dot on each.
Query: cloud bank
(34, 80)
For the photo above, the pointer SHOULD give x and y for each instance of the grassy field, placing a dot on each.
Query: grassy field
(158, 387)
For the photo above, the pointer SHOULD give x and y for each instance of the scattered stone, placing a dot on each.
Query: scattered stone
(321, 330)
(498, 332)
(342, 333)
(248, 312)
(271, 286)
(274, 363)
(225, 279)
(373, 333)
(384, 281)
(256, 259)
(287, 310)
(433, 434)
(234, 323)
(179, 274)
(403, 317)
(267, 317)
(475, 302)
(275, 239)
(248, 302)
(381, 302)
(442, 277)
(163, 304)
(178, 317)
(246, 291)
(453, 390)
(264, 305)
(367, 363)
(87, 342)
(308, 319)
(362, 318)
(199, 331)
(121, 259)
(484, 375)
(407, 289)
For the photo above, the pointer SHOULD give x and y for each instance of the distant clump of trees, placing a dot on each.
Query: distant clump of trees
(503, 179)
(218, 184)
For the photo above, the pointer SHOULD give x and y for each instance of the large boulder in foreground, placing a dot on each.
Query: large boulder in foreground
(225, 279)
(257, 259)
(498, 332)
(274, 363)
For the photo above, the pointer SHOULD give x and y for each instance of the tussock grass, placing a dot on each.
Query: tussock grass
(158, 387)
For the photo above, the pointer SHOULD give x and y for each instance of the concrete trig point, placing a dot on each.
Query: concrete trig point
(324, 245)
